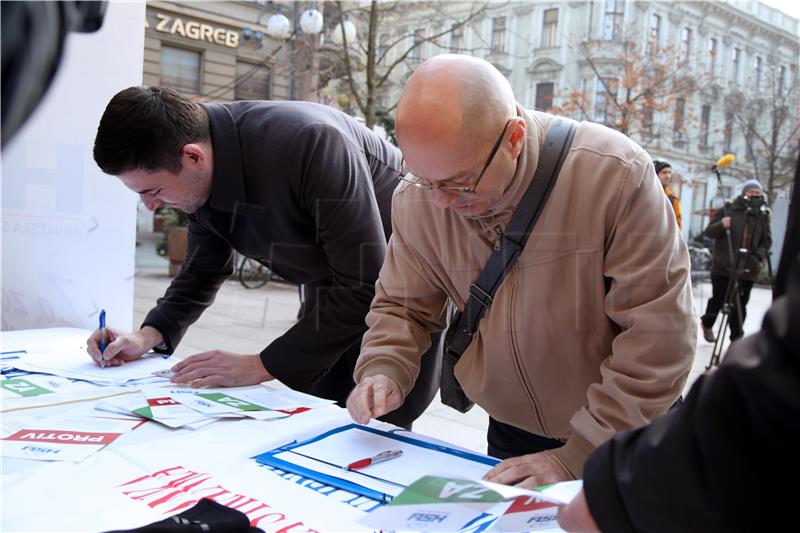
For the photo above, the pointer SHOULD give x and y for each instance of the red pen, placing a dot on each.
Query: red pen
(381, 457)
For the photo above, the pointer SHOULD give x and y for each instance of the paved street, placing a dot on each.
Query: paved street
(245, 320)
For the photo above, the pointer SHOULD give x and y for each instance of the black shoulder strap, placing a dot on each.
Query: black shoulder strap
(556, 145)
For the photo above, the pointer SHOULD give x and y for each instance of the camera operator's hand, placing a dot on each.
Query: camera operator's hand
(726, 222)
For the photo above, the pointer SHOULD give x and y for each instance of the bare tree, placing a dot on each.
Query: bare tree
(628, 83)
(770, 126)
(368, 67)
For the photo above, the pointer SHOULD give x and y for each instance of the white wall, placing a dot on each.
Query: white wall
(67, 229)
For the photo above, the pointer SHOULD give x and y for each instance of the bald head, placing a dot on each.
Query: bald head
(454, 101)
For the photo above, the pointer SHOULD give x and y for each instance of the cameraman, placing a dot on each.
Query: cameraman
(747, 219)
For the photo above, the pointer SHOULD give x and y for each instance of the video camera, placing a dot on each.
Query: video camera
(756, 204)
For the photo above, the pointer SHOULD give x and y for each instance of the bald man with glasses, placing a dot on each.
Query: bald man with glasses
(592, 331)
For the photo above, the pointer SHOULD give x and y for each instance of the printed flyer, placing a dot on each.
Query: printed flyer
(434, 503)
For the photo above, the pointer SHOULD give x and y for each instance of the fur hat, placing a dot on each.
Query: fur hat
(660, 165)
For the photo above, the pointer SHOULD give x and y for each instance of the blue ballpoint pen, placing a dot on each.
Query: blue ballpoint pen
(103, 337)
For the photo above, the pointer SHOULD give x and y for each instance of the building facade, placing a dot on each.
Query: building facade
(714, 60)
(223, 51)
(588, 59)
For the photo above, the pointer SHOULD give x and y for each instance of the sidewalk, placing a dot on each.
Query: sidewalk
(246, 320)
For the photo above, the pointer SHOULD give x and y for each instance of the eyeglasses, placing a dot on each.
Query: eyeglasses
(431, 186)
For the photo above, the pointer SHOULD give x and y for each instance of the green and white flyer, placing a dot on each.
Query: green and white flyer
(448, 504)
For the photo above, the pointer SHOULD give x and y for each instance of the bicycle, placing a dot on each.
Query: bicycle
(252, 274)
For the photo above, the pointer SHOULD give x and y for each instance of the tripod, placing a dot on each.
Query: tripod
(753, 219)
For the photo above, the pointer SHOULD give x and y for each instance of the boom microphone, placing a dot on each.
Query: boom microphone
(723, 161)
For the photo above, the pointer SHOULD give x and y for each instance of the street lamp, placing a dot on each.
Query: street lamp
(344, 30)
(311, 21)
(279, 27)
(302, 41)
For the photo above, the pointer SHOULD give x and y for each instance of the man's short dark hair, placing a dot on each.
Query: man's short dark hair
(660, 165)
(146, 128)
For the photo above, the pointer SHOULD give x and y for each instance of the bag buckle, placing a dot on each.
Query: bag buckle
(483, 297)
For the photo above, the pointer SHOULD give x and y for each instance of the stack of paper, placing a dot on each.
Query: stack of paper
(70, 436)
(192, 408)
(156, 407)
(258, 401)
(77, 364)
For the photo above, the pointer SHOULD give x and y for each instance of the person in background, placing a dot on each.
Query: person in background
(747, 219)
(592, 332)
(300, 187)
(664, 173)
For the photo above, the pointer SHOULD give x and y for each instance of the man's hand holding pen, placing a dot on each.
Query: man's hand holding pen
(121, 347)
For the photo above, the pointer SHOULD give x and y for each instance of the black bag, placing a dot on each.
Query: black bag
(207, 516)
(464, 324)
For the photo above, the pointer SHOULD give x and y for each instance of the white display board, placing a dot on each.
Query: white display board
(68, 230)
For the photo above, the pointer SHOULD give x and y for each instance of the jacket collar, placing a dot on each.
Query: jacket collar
(526, 165)
(227, 183)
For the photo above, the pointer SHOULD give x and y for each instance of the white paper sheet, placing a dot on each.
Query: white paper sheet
(70, 436)
(242, 401)
(77, 364)
(282, 399)
(259, 395)
(48, 339)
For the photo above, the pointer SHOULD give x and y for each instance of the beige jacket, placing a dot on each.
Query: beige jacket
(591, 333)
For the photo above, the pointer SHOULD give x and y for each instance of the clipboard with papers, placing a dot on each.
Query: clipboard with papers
(324, 458)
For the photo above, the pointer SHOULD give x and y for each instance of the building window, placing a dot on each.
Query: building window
(456, 39)
(180, 69)
(705, 121)
(728, 131)
(544, 96)
(612, 21)
(737, 60)
(759, 69)
(782, 81)
(603, 101)
(655, 34)
(686, 44)
(680, 119)
(498, 35)
(252, 82)
(712, 56)
(416, 51)
(549, 28)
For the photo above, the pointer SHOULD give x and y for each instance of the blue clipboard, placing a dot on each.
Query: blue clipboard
(269, 458)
